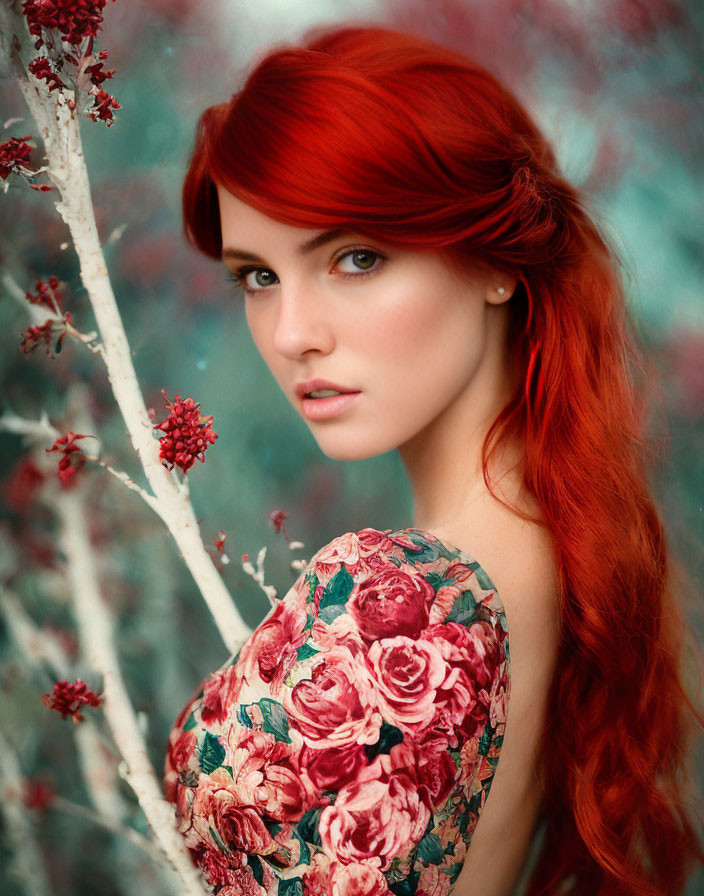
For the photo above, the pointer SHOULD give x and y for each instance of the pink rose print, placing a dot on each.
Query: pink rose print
(266, 775)
(316, 877)
(356, 879)
(181, 753)
(271, 652)
(219, 693)
(217, 807)
(375, 817)
(245, 884)
(336, 706)
(497, 703)
(407, 675)
(432, 882)
(330, 769)
(443, 603)
(472, 656)
(341, 632)
(390, 602)
(436, 770)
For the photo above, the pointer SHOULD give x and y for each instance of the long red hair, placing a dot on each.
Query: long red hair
(388, 134)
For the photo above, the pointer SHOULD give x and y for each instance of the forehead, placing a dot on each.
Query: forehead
(246, 224)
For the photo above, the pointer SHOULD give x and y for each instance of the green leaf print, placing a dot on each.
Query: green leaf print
(274, 719)
(211, 753)
(455, 871)
(191, 723)
(291, 887)
(305, 652)
(407, 887)
(389, 736)
(329, 614)
(482, 578)
(464, 609)
(216, 837)
(484, 741)
(308, 827)
(338, 589)
(425, 553)
(436, 581)
(255, 864)
(305, 851)
(430, 850)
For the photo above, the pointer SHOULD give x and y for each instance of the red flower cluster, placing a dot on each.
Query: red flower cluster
(14, 158)
(75, 22)
(187, 434)
(73, 19)
(34, 336)
(72, 459)
(53, 301)
(67, 698)
(14, 153)
(41, 68)
(103, 106)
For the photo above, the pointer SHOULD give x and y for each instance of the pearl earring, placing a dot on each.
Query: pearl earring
(501, 290)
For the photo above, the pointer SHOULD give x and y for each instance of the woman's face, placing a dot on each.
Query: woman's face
(403, 329)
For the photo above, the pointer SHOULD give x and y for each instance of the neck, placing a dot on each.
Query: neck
(443, 462)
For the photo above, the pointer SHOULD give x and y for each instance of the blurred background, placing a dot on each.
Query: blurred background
(615, 84)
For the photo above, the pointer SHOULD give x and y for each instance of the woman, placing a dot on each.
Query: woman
(402, 236)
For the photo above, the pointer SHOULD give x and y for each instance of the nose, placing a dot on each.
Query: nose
(302, 323)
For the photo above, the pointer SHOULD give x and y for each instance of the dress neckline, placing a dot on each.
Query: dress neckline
(461, 554)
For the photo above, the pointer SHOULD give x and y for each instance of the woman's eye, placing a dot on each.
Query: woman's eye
(359, 261)
(254, 279)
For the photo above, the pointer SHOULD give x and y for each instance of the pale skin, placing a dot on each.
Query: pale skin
(425, 344)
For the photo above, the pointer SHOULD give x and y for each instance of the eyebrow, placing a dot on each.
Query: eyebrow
(315, 242)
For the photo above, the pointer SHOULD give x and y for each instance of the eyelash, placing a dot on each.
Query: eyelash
(237, 277)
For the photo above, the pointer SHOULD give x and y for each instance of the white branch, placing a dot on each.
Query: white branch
(26, 863)
(62, 140)
(96, 635)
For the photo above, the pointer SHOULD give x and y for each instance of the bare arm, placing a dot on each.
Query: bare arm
(501, 841)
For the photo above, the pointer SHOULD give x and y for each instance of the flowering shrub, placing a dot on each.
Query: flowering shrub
(68, 697)
(72, 458)
(187, 434)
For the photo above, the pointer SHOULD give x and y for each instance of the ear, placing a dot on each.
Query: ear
(500, 288)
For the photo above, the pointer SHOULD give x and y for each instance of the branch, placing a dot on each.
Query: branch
(27, 863)
(41, 650)
(96, 635)
(59, 129)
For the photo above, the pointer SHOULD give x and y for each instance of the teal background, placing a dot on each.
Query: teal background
(616, 86)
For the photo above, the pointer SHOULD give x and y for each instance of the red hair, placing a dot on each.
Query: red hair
(387, 134)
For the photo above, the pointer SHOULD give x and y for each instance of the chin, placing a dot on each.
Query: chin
(349, 449)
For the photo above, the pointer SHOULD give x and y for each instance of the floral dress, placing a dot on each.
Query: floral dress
(350, 745)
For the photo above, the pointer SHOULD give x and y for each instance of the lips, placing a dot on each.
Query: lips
(305, 387)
